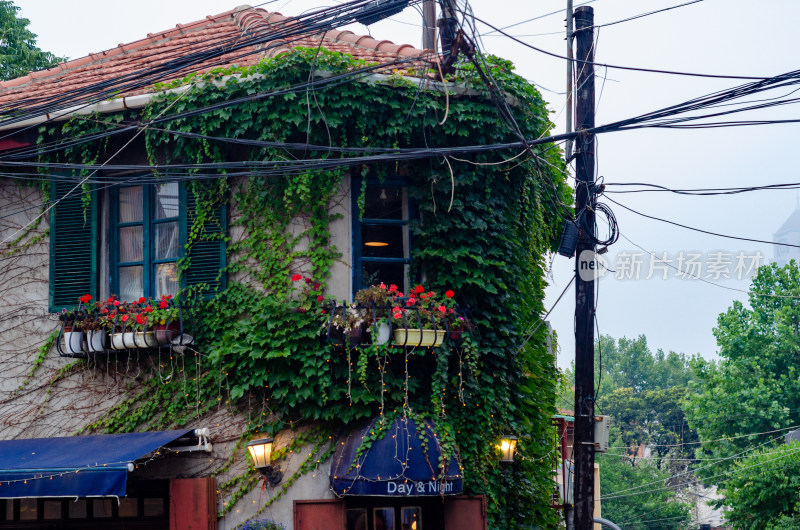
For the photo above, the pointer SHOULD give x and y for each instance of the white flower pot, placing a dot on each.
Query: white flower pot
(384, 333)
(73, 342)
(96, 340)
(122, 341)
(145, 339)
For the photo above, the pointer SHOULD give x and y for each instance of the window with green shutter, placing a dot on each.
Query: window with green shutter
(146, 237)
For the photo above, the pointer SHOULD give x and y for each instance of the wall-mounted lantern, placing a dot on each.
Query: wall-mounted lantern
(508, 446)
(261, 453)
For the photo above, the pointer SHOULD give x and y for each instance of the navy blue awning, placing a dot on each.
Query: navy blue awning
(75, 466)
(395, 464)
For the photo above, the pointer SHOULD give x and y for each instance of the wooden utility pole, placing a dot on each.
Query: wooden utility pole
(583, 449)
(429, 25)
(568, 144)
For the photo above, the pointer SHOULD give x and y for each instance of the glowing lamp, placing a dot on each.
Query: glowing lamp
(261, 454)
(376, 244)
(508, 446)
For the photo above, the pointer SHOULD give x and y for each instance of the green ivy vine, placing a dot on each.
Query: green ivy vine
(261, 337)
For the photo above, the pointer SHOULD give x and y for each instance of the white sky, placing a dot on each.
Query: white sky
(734, 37)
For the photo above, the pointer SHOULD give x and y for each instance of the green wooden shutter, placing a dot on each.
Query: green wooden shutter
(207, 252)
(73, 245)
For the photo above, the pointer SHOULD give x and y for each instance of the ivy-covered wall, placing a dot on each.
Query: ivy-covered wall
(486, 222)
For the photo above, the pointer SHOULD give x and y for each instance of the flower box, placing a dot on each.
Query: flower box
(418, 337)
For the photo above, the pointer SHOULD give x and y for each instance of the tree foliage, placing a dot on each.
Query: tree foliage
(763, 492)
(755, 387)
(18, 51)
(642, 499)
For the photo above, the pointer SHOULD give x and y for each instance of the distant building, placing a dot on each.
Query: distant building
(789, 233)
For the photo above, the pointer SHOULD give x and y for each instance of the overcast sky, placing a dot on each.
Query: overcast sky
(733, 37)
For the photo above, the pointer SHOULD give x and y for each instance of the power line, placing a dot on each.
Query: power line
(717, 234)
(647, 14)
(700, 191)
(620, 67)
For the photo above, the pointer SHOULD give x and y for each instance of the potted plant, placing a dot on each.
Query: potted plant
(143, 335)
(73, 326)
(165, 320)
(376, 302)
(427, 309)
(122, 336)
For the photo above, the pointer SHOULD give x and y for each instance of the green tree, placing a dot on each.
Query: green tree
(634, 494)
(653, 418)
(18, 51)
(754, 388)
(763, 492)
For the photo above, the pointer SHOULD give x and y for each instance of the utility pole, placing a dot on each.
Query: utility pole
(583, 448)
(429, 25)
(568, 145)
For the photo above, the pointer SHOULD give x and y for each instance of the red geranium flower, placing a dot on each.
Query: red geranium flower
(441, 309)
(431, 294)
(383, 285)
(423, 296)
(85, 298)
(163, 304)
(296, 278)
(124, 318)
(316, 287)
(411, 301)
(419, 289)
(397, 315)
(116, 303)
(105, 310)
(392, 288)
(148, 309)
(142, 300)
(320, 299)
(449, 294)
(141, 319)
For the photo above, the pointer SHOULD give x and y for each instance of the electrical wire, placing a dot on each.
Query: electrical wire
(647, 14)
(702, 231)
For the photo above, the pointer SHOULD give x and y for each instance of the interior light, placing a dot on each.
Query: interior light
(376, 244)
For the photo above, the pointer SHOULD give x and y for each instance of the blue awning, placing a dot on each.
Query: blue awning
(75, 466)
(395, 464)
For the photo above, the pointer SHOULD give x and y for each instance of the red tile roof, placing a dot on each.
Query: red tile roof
(161, 48)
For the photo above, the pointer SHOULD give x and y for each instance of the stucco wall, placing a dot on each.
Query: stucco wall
(57, 403)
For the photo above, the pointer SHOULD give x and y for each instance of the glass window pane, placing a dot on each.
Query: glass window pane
(101, 508)
(130, 283)
(411, 518)
(166, 279)
(383, 241)
(166, 200)
(128, 507)
(383, 519)
(384, 203)
(77, 509)
(131, 244)
(52, 510)
(130, 205)
(153, 507)
(357, 519)
(27, 509)
(166, 240)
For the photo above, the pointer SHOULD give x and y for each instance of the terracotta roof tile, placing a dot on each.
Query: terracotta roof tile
(159, 49)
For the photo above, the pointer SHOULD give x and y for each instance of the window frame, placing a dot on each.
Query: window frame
(394, 181)
(148, 223)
